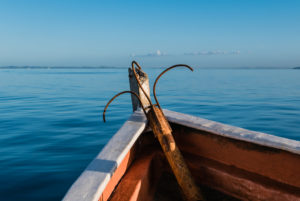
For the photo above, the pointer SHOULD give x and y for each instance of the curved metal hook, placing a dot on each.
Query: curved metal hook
(135, 75)
(154, 86)
(123, 92)
(137, 64)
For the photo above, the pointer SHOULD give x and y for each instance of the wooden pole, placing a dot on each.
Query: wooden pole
(162, 130)
(144, 80)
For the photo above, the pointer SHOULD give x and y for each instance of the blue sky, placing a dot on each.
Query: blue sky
(155, 33)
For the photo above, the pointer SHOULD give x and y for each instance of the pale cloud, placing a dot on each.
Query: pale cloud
(158, 53)
(215, 52)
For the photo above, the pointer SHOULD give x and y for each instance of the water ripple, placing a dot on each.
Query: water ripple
(51, 126)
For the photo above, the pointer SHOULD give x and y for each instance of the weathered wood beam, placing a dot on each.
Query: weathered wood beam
(144, 80)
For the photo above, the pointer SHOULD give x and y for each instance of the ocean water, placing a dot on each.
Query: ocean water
(51, 126)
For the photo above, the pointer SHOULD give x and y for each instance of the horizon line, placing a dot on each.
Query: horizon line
(119, 67)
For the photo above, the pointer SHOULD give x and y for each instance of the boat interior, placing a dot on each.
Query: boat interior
(148, 176)
(227, 162)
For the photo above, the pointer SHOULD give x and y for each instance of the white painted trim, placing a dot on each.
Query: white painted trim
(91, 183)
(233, 132)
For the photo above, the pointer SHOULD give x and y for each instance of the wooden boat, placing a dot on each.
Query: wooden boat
(243, 164)
(228, 162)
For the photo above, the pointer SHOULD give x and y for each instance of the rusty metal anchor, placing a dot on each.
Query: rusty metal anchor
(162, 130)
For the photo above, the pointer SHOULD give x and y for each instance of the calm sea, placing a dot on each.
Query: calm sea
(51, 127)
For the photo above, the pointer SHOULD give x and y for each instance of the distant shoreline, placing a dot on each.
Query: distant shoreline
(57, 67)
(107, 67)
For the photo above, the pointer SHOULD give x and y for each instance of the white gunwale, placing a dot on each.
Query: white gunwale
(233, 132)
(91, 183)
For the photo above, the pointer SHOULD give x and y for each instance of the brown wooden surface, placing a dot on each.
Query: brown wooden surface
(139, 183)
(118, 174)
(213, 164)
(244, 170)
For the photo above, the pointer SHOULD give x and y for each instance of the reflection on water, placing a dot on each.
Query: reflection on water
(51, 128)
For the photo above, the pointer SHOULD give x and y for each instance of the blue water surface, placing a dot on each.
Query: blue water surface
(51, 127)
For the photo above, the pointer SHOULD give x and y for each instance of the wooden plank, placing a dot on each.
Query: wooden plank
(278, 165)
(233, 132)
(139, 182)
(239, 183)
